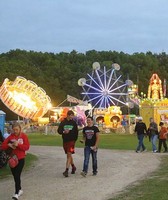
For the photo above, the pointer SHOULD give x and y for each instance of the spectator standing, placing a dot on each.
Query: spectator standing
(7, 133)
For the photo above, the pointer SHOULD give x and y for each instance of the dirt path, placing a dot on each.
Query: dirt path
(44, 181)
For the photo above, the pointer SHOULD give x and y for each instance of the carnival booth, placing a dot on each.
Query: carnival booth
(113, 117)
(155, 105)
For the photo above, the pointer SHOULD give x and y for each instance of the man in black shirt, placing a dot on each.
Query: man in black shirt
(91, 138)
(69, 131)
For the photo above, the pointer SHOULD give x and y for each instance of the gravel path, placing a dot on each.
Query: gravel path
(44, 180)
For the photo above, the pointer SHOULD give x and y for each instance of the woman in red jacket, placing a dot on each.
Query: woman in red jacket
(18, 142)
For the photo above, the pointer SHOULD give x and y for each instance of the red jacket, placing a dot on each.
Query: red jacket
(163, 133)
(23, 144)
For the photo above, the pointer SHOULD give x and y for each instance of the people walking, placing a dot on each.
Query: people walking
(153, 132)
(140, 129)
(18, 143)
(162, 137)
(91, 139)
(69, 131)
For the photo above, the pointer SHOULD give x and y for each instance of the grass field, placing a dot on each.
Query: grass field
(152, 188)
(107, 141)
(5, 171)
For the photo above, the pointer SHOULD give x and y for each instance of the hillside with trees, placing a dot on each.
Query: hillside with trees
(58, 74)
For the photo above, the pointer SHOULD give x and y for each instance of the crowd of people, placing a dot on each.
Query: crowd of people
(152, 132)
(17, 142)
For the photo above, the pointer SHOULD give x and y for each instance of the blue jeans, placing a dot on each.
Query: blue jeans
(140, 142)
(87, 152)
(153, 140)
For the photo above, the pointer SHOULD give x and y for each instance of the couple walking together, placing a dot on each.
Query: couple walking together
(69, 131)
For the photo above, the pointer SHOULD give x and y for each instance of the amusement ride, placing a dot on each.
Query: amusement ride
(104, 93)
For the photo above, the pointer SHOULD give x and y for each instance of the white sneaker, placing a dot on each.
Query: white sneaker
(15, 196)
(83, 174)
(20, 193)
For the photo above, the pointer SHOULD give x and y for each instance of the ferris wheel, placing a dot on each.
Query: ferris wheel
(105, 88)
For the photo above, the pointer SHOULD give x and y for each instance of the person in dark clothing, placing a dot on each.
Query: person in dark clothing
(91, 139)
(1, 137)
(141, 130)
(69, 131)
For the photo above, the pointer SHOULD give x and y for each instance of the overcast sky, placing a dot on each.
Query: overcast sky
(82, 25)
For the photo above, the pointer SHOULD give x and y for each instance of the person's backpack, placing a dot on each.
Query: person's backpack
(3, 158)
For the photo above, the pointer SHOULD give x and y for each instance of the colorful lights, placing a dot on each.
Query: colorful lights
(104, 88)
(25, 98)
(155, 88)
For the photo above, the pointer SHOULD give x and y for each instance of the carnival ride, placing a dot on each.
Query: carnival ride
(106, 91)
(25, 98)
(104, 88)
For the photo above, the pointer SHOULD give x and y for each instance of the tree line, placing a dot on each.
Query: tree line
(59, 73)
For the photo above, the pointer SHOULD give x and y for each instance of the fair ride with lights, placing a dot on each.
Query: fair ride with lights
(104, 89)
(155, 103)
(25, 98)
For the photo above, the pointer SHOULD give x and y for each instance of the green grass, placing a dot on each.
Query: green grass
(153, 187)
(107, 141)
(5, 171)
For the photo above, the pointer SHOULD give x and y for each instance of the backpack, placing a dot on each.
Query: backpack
(3, 158)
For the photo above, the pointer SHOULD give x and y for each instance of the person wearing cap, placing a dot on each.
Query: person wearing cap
(153, 131)
(162, 137)
(140, 129)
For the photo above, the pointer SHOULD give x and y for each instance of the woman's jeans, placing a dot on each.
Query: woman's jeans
(87, 152)
(153, 140)
(140, 142)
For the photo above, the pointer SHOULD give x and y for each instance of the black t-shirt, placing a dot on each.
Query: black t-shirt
(90, 134)
(140, 128)
(73, 130)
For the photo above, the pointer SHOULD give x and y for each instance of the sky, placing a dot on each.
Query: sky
(56, 26)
